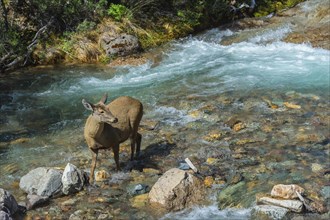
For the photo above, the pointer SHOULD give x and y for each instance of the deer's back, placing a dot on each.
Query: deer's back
(129, 112)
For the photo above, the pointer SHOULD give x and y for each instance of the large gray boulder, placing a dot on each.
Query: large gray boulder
(8, 204)
(122, 44)
(42, 181)
(73, 179)
(176, 190)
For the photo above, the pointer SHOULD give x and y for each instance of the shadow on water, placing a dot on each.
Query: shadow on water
(149, 157)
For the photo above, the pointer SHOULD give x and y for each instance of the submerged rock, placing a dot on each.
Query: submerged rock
(176, 190)
(42, 181)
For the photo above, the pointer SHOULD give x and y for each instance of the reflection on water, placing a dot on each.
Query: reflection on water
(198, 86)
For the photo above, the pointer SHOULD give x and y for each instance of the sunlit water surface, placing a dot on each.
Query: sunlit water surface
(42, 117)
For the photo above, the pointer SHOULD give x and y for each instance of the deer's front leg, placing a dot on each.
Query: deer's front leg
(94, 159)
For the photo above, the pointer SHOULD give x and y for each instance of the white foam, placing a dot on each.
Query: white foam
(209, 212)
(173, 116)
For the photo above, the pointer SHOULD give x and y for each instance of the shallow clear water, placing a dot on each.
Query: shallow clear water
(42, 117)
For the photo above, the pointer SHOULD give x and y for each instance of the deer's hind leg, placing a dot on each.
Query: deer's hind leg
(138, 143)
(133, 143)
(116, 155)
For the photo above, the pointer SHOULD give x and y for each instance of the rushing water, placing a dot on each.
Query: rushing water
(42, 117)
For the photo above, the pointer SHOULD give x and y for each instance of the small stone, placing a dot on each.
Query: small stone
(211, 160)
(316, 167)
(69, 202)
(208, 181)
(194, 114)
(239, 126)
(291, 105)
(101, 175)
(213, 136)
(286, 191)
(245, 141)
(138, 189)
(184, 166)
(151, 171)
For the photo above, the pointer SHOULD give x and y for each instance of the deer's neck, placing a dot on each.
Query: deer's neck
(96, 126)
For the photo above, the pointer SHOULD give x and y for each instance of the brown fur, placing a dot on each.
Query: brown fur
(100, 134)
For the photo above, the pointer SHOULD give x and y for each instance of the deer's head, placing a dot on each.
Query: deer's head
(99, 110)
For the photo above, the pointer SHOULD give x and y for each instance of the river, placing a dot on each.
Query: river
(196, 87)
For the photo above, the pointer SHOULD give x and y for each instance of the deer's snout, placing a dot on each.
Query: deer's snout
(114, 120)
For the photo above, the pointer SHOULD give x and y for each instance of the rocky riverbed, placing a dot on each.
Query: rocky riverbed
(244, 136)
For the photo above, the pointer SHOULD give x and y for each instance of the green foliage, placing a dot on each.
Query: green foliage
(190, 18)
(119, 12)
(86, 26)
(265, 7)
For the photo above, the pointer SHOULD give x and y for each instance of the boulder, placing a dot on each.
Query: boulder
(42, 181)
(5, 216)
(286, 191)
(292, 205)
(73, 179)
(122, 44)
(268, 212)
(8, 204)
(177, 189)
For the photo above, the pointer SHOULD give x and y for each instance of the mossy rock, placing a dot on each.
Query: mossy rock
(235, 196)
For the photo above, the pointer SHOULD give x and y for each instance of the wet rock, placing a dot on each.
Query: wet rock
(211, 160)
(140, 201)
(231, 196)
(73, 179)
(138, 189)
(316, 167)
(104, 216)
(34, 201)
(208, 181)
(286, 191)
(213, 136)
(177, 189)
(5, 216)
(293, 205)
(291, 105)
(325, 192)
(78, 215)
(151, 171)
(8, 204)
(42, 181)
(122, 44)
(69, 202)
(239, 126)
(184, 166)
(118, 178)
(268, 212)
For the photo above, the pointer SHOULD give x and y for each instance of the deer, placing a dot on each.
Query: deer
(110, 125)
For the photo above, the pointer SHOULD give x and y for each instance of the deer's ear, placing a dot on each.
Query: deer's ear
(104, 98)
(87, 105)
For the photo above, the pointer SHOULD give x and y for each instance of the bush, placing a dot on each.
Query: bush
(119, 12)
